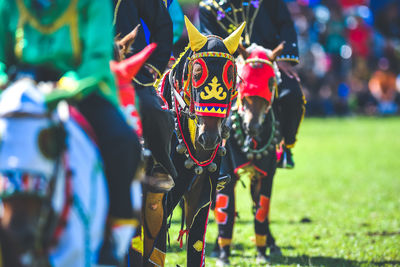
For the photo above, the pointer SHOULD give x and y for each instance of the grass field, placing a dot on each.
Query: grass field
(346, 181)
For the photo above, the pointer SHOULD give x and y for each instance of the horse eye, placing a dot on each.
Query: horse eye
(197, 72)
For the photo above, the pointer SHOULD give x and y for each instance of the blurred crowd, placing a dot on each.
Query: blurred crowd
(349, 53)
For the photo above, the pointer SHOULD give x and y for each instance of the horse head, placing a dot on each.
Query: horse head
(32, 181)
(257, 87)
(208, 82)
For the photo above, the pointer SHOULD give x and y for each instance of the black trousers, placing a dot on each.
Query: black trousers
(119, 147)
(158, 127)
(291, 107)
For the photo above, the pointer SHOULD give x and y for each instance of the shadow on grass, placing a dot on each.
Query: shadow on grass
(326, 261)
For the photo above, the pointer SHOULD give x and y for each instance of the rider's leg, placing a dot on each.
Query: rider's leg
(292, 108)
(154, 224)
(121, 150)
(158, 127)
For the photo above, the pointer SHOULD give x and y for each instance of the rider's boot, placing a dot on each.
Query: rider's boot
(153, 221)
(286, 159)
(160, 180)
(117, 240)
(289, 158)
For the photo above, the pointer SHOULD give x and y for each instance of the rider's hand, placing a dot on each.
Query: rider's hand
(288, 69)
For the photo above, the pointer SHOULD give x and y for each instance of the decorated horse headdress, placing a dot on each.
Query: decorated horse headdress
(259, 73)
(206, 87)
(203, 83)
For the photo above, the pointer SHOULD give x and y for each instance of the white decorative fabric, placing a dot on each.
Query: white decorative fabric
(80, 242)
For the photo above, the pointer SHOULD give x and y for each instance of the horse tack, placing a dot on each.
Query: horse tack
(212, 90)
(251, 156)
(197, 166)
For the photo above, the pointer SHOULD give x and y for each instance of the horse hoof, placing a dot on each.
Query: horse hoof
(262, 259)
(222, 263)
(275, 251)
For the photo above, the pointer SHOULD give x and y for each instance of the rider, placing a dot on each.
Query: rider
(71, 41)
(157, 124)
(268, 24)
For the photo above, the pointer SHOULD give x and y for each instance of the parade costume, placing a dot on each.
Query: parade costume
(268, 24)
(71, 42)
(127, 15)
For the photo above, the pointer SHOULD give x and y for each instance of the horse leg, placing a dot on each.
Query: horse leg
(261, 194)
(225, 217)
(197, 207)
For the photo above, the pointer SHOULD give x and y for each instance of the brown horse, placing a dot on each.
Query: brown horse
(251, 150)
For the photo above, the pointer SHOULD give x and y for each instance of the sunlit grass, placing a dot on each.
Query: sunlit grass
(346, 181)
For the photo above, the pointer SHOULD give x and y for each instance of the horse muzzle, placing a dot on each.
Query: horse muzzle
(252, 129)
(209, 141)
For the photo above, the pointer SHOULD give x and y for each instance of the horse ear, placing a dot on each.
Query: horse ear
(242, 51)
(277, 51)
(232, 41)
(126, 42)
(196, 39)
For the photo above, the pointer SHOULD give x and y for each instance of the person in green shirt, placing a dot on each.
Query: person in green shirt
(71, 42)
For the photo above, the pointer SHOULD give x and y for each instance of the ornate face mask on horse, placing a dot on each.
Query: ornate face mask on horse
(258, 85)
(202, 87)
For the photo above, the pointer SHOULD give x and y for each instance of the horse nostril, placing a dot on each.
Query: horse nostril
(202, 139)
(209, 141)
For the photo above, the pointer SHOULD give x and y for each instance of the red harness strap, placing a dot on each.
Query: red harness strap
(180, 237)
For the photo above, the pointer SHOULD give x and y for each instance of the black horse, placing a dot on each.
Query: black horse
(251, 150)
(198, 89)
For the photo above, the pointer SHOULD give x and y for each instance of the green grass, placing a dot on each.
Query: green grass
(346, 181)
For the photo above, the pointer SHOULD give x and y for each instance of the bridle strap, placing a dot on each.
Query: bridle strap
(258, 60)
(212, 54)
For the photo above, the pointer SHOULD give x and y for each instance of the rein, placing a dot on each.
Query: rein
(181, 109)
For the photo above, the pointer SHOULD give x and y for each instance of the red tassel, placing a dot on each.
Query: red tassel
(180, 237)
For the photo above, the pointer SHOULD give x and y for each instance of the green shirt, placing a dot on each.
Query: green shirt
(73, 37)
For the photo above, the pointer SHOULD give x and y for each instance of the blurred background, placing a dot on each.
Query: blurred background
(349, 54)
